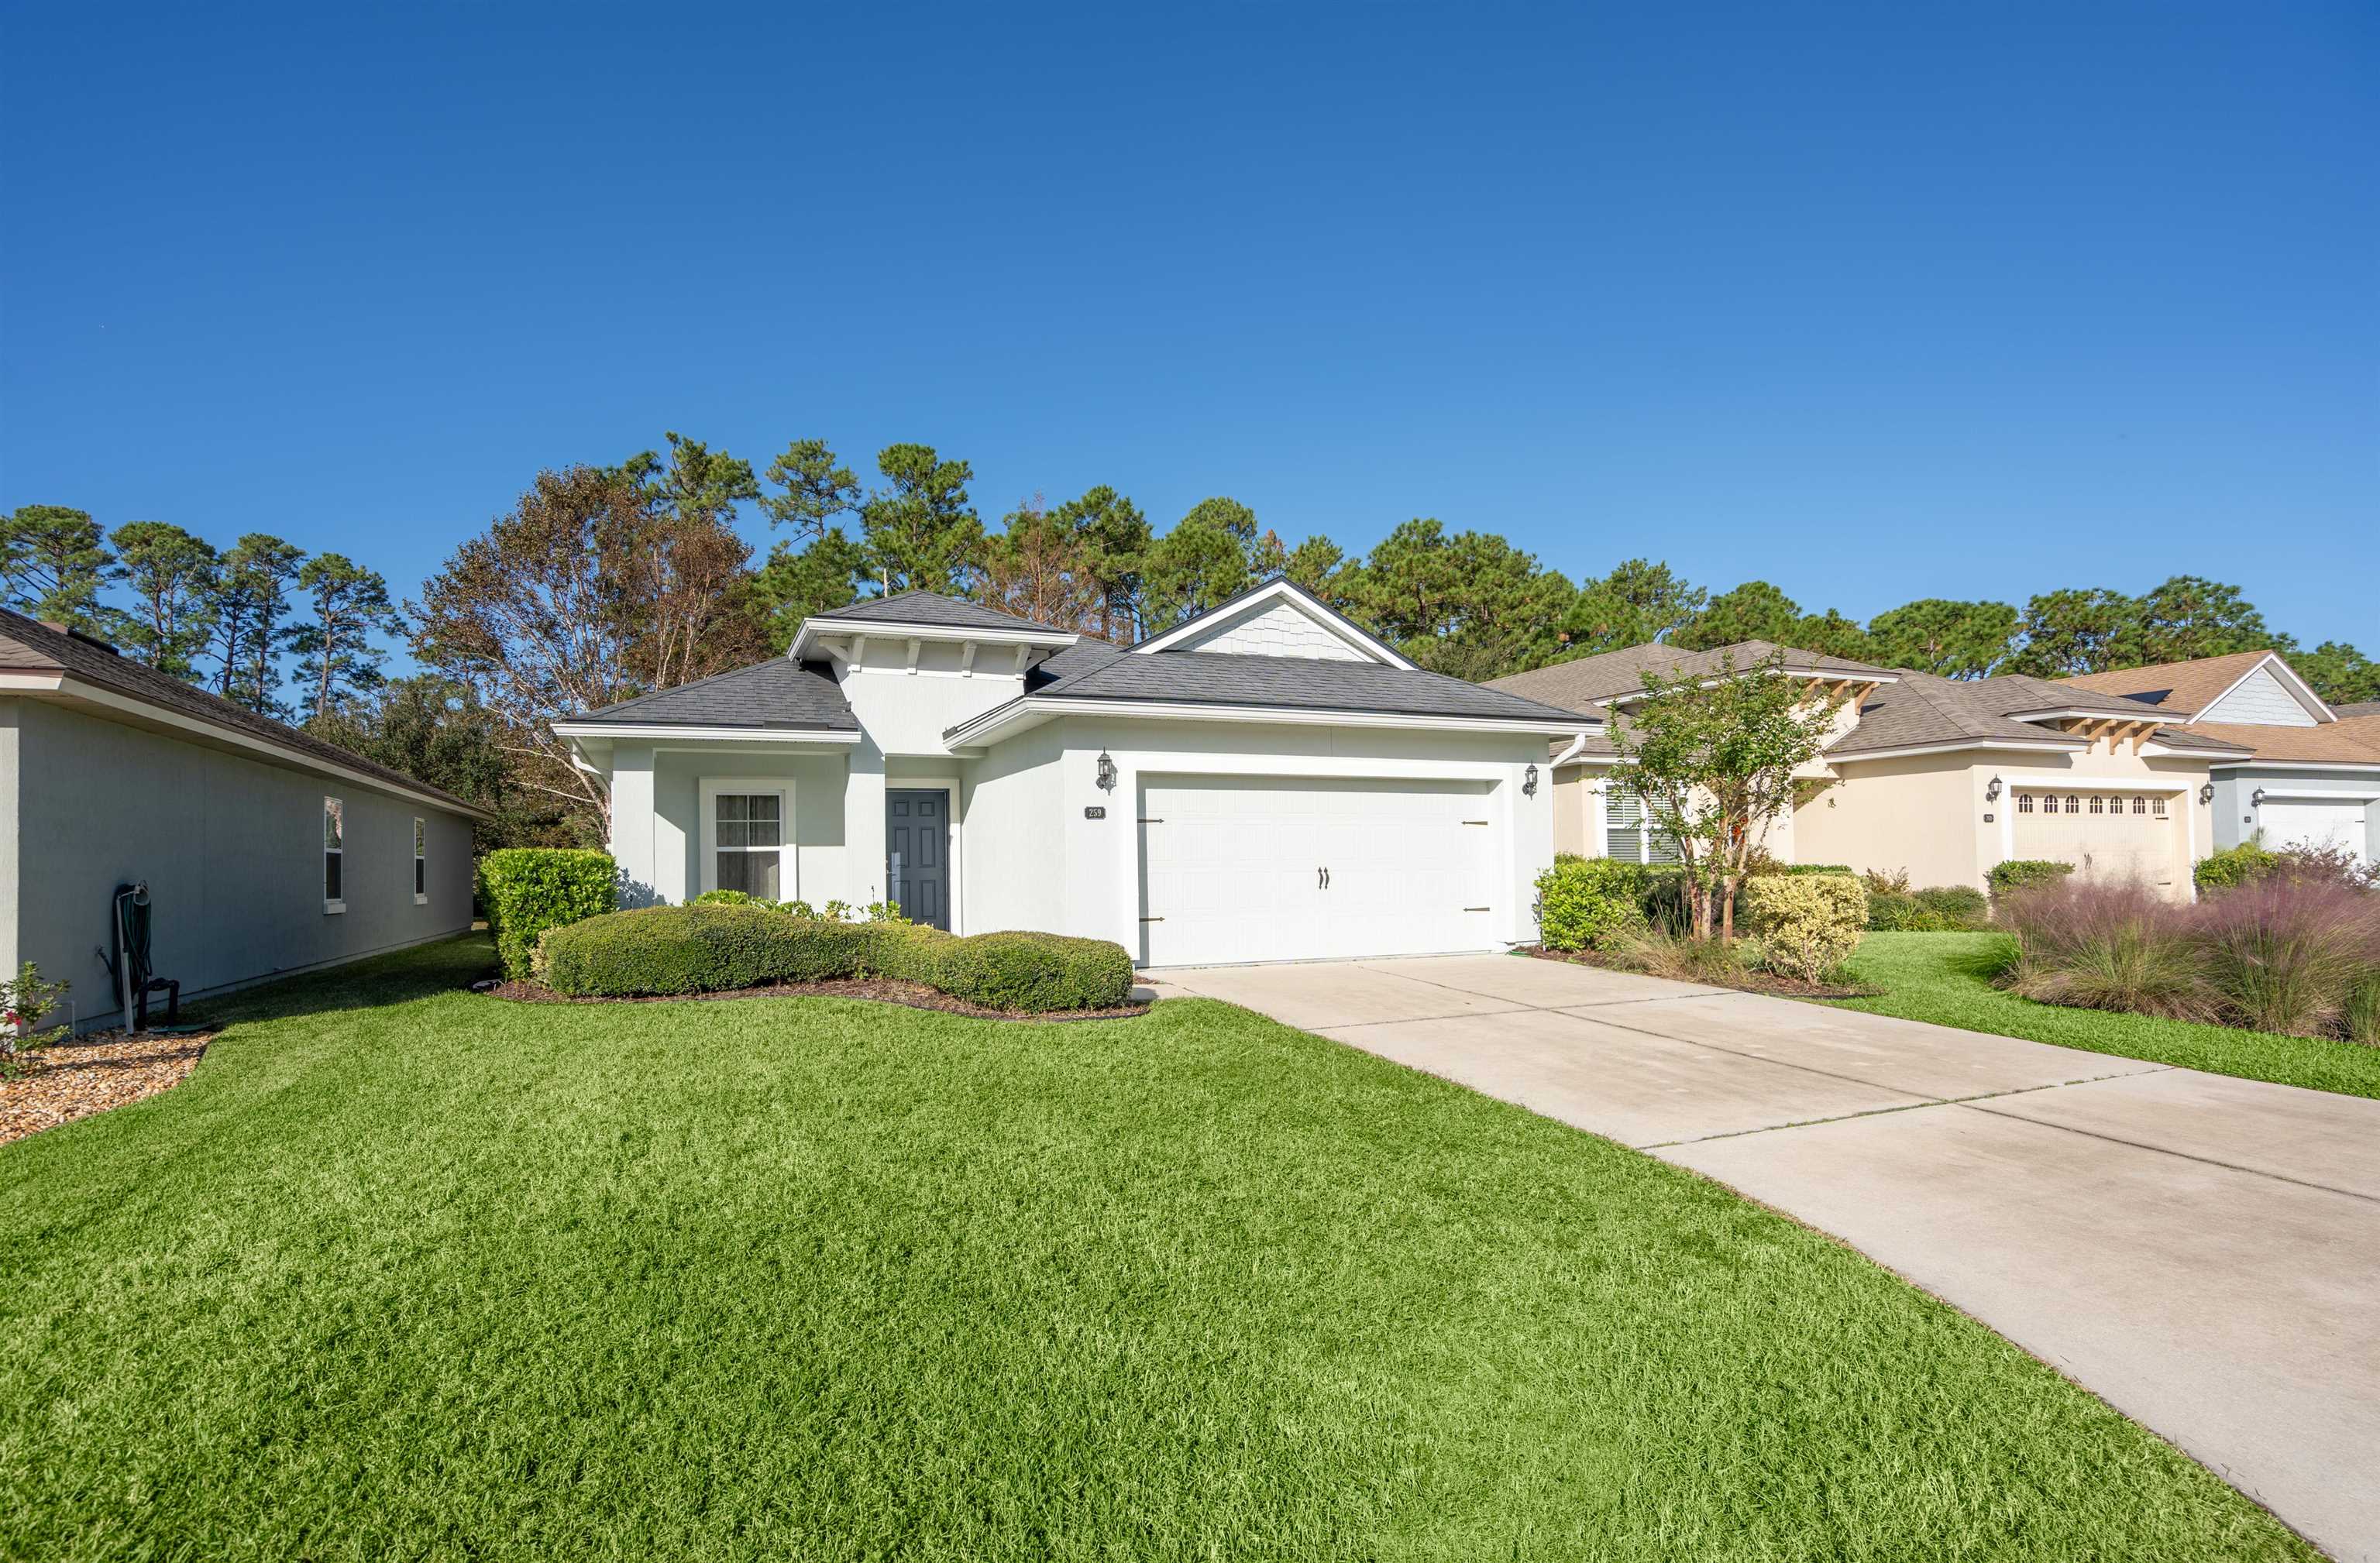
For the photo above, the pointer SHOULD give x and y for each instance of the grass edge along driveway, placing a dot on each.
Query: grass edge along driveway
(1946, 978)
(401, 1270)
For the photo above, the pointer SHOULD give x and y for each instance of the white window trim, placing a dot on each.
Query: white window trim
(707, 790)
(419, 873)
(331, 906)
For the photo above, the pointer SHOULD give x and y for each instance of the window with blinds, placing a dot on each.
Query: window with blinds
(1628, 835)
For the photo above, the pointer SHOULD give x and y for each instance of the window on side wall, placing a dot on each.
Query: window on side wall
(334, 854)
(420, 864)
(749, 842)
(1629, 833)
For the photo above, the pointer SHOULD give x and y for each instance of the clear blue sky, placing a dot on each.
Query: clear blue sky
(1878, 303)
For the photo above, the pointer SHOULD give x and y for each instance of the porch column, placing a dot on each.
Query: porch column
(632, 825)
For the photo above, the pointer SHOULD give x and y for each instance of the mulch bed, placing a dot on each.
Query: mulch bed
(883, 990)
(1744, 982)
(74, 1079)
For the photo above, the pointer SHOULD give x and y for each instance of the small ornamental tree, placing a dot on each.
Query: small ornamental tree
(1713, 757)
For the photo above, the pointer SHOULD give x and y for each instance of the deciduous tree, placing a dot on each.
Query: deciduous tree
(1037, 568)
(1713, 756)
(553, 611)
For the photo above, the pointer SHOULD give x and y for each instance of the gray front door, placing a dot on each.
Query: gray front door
(917, 854)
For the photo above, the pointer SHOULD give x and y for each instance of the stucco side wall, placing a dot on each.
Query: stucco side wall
(1012, 839)
(1922, 814)
(822, 871)
(1101, 862)
(1573, 826)
(232, 852)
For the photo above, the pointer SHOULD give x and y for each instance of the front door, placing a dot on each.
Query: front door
(917, 853)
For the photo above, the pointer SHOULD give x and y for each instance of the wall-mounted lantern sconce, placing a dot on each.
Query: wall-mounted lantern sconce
(1529, 782)
(2206, 794)
(2257, 797)
(1107, 772)
(1992, 790)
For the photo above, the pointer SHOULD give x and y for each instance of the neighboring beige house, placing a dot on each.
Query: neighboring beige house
(1942, 778)
(2310, 772)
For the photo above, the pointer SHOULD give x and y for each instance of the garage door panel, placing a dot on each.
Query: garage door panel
(2309, 823)
(1233, 869)
(2119, 842)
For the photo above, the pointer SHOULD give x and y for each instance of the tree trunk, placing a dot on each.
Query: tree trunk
(1727, 909)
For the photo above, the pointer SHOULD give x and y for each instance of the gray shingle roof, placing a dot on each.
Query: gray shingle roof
(1587, 682)
(1922, 709)
(2360, 708)
(931, 610)
(1095, 671)
(777, 693)
(31, 645)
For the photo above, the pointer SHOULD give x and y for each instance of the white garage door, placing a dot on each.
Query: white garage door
(2108, 836)
(1270, 868)
(2299, 823)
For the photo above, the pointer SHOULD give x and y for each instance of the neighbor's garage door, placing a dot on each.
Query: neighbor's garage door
(2105, 835)
(1268, 869)
(2322, 825)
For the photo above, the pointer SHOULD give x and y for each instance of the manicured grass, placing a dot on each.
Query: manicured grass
(1947, 978)
(401, 1271)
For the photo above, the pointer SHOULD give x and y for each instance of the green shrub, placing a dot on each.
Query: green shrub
(1032, 972)
(724, 898)
(1809, 924)
(2233, 866)
(529, 889)
(1589, 903)
(716, 946)
(2019, 872)
(1958, 906)
(1901, 912)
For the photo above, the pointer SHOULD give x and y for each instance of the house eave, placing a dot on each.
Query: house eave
(1031, 710)
(813, 631)
(65, 689)
(635, 732)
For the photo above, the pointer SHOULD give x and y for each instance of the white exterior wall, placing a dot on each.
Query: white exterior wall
(2261, 700)
(1013, 836)
(1101, 864)
(905, 712)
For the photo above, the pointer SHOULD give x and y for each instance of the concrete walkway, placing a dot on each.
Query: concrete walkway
(2202, 1252)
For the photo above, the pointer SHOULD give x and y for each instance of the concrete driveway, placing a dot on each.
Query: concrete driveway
(2202, 1252)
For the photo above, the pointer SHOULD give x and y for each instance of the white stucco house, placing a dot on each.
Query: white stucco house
(1265, 782)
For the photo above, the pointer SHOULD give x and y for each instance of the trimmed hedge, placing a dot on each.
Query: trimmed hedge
(1937, 909)
(1808, 923)
(2019, 872)
(2240, 865)
(1589, 903)
(529, 889)
(713, 948)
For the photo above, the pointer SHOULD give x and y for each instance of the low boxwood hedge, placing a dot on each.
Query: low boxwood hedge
(2019, 872)
(714, 947)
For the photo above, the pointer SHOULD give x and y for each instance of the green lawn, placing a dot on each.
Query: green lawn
(403, 1272)
(1946, 978)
